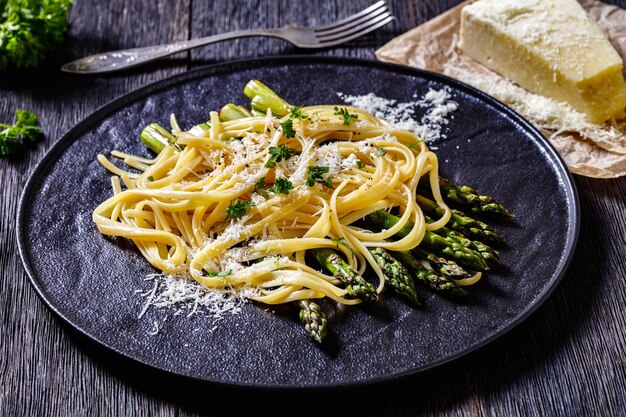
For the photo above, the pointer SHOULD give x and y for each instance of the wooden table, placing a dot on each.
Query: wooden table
(568, 358)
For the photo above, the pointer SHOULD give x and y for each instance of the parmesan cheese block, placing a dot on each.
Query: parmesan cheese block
(549, 47)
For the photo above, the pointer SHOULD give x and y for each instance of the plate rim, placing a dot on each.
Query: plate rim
(69, 137)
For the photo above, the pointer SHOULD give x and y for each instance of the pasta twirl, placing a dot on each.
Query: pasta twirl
(238, 203)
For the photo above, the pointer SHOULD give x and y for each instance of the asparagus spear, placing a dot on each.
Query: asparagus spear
(490, 255)
(460, 222)
(233, 112)
(436, 282)
(444, 246)
(396, 274)
(356, 285)
(264, 98)
(156, 138)
(465, 196)
(314, 319)
(441, 266)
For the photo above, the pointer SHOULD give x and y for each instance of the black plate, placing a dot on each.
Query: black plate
(89, 280)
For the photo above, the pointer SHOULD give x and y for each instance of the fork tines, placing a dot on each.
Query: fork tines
(372, 18)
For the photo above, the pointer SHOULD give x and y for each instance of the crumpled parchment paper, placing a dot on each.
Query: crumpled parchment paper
(588, 149)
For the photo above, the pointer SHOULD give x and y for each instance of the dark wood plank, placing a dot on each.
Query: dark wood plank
(209, 18)
(42, 371)
(568, 359)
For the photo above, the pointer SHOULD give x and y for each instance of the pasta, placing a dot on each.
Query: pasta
(239, 203)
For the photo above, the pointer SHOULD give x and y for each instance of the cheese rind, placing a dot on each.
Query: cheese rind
(549, 47)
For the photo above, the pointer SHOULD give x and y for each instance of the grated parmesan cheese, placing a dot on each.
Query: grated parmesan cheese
(436, 106)
(182, 295)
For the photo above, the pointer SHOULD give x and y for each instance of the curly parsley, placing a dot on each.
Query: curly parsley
(287, 126)
(297, 113)
(345, 114)
(316, 176)
(281, 186)
(259, 186)
(30, 29)
(12, 137)
(278, 154)
(237, 209)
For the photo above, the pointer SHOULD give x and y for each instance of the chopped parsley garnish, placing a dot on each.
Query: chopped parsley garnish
(13, 137)
(287, 126)
(380, 152)
(343, 111)
(316, 176)
(281, 186)
(150, 178)
(237, 209)
(259, 186)
(278, 154)
(297, 113)
(359, 164)
(214, 274)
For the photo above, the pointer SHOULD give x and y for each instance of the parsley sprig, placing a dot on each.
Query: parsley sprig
(12, 137)
(297, 113)
(278, 154)
(281, 186)
(30, 29)
(259, 186)
(316, 176)
(347, 116)
(237, 208)
(287, 126)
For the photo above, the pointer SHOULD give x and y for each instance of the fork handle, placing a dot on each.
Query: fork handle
(127, 58)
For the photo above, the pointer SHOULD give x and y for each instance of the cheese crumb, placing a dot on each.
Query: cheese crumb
(180, 294)
(435, 106)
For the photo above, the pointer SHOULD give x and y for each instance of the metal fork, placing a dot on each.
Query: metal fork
(372, 18)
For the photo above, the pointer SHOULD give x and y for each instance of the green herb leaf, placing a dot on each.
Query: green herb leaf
(359, 164)
(287, 126)
(279, 154)
(237, 209)
(30, 29)
(281, 186)
(345, 114)
(316, 176)
(413, 145)
(150, 178)
(380, 152)
(297, 113)
(26, 127)
(259, 186)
